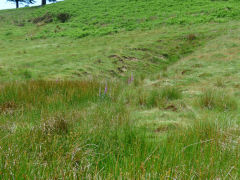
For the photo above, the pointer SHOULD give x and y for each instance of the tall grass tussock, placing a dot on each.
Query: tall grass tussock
(214, 99)
(159, 97)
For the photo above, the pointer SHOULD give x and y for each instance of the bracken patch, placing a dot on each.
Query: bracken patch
(46, 18)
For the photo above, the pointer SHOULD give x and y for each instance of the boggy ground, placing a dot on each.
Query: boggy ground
(181, 122)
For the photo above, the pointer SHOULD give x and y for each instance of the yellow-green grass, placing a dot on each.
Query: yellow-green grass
(119, 55)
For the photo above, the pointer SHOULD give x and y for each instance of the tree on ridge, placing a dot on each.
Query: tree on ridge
(21, 1)
(44, 2)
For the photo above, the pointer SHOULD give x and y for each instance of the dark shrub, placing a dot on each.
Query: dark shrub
(191, 37)
(63, 17)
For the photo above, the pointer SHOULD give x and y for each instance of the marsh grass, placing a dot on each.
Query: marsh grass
(67, 132)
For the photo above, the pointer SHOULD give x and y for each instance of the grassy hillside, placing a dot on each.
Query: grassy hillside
(139, 52)
(122, 36)
(120, 90)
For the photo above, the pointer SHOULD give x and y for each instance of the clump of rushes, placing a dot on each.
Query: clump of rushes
(214, 99)
(142, 96)
(158, 97)
(171, 93)
(153, 99)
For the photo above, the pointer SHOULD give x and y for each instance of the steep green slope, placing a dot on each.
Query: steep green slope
(96, 18)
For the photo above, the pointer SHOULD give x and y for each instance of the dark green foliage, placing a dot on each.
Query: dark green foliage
(63, 17)
(97, 18)
(27, 74)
